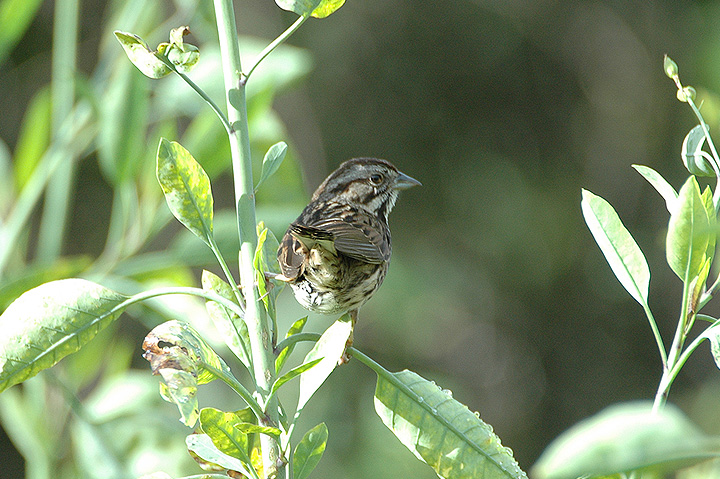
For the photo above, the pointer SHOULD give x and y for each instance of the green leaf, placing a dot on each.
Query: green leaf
(34, 137)
(204, 447)
(49, 322)
(293, 373)
(141, 56)
(186, 187)
(184, 360)
(296, 328)
(273, 158)
(183, 55)
(220, 426)
(326, 8)
(249, 428)
(15, 18)
(440, 431)
(617, 244)
(315, 8)
(689, 232)
(695, 159)
(309, 451)
(660, 184)
(329, 348)
(623, 438)
(231, 327)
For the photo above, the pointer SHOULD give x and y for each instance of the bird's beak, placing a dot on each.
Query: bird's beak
(404, 181)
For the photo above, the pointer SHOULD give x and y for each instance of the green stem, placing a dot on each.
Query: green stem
(656, 333)
(255, 318)
(58, 194)
(713, 150)
(199, 91)
(274, 44)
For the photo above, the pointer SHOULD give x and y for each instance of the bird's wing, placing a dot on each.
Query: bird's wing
(360, 238)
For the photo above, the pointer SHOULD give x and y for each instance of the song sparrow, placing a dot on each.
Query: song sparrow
(336, 253)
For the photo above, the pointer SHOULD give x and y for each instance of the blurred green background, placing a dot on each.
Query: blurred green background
(504, 110)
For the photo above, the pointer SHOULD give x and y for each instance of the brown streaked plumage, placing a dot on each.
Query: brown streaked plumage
(336, 253)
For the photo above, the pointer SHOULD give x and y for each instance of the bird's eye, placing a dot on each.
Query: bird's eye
(376, 179)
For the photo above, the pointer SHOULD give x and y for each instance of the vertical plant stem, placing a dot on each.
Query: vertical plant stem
(58, 194)
(263, 357)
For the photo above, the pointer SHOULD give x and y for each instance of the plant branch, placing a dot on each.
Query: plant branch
(274, 44)
(255, 317)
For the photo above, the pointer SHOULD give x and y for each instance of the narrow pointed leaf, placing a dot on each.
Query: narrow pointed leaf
(49, 322)
(15, 17)
(624, 438)
(329, 348)
(186, 187)
(440, 431)
(272, 161)
(689, 232)
(660, 184)
(293, 373)
(617, 244)
(309, 451)
(296, 328)
(141, 55)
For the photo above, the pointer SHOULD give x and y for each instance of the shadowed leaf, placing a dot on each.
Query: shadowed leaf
(309, 451)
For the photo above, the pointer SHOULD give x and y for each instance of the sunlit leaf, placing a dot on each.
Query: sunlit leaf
(296, 328)
(184, 360)
(203, 446)
(329, 348)
(689, 232)
(293, 373)
(660, 184)
(272, 161)
(623, 438)
(220, 427)
(617, 244)
(309, 451)
(142, 56)
(249, 428)
(440, 431)
(231, 327)
(695, 159)
(315, 8)
(327, 7)
(49, 322)
(186, 187)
